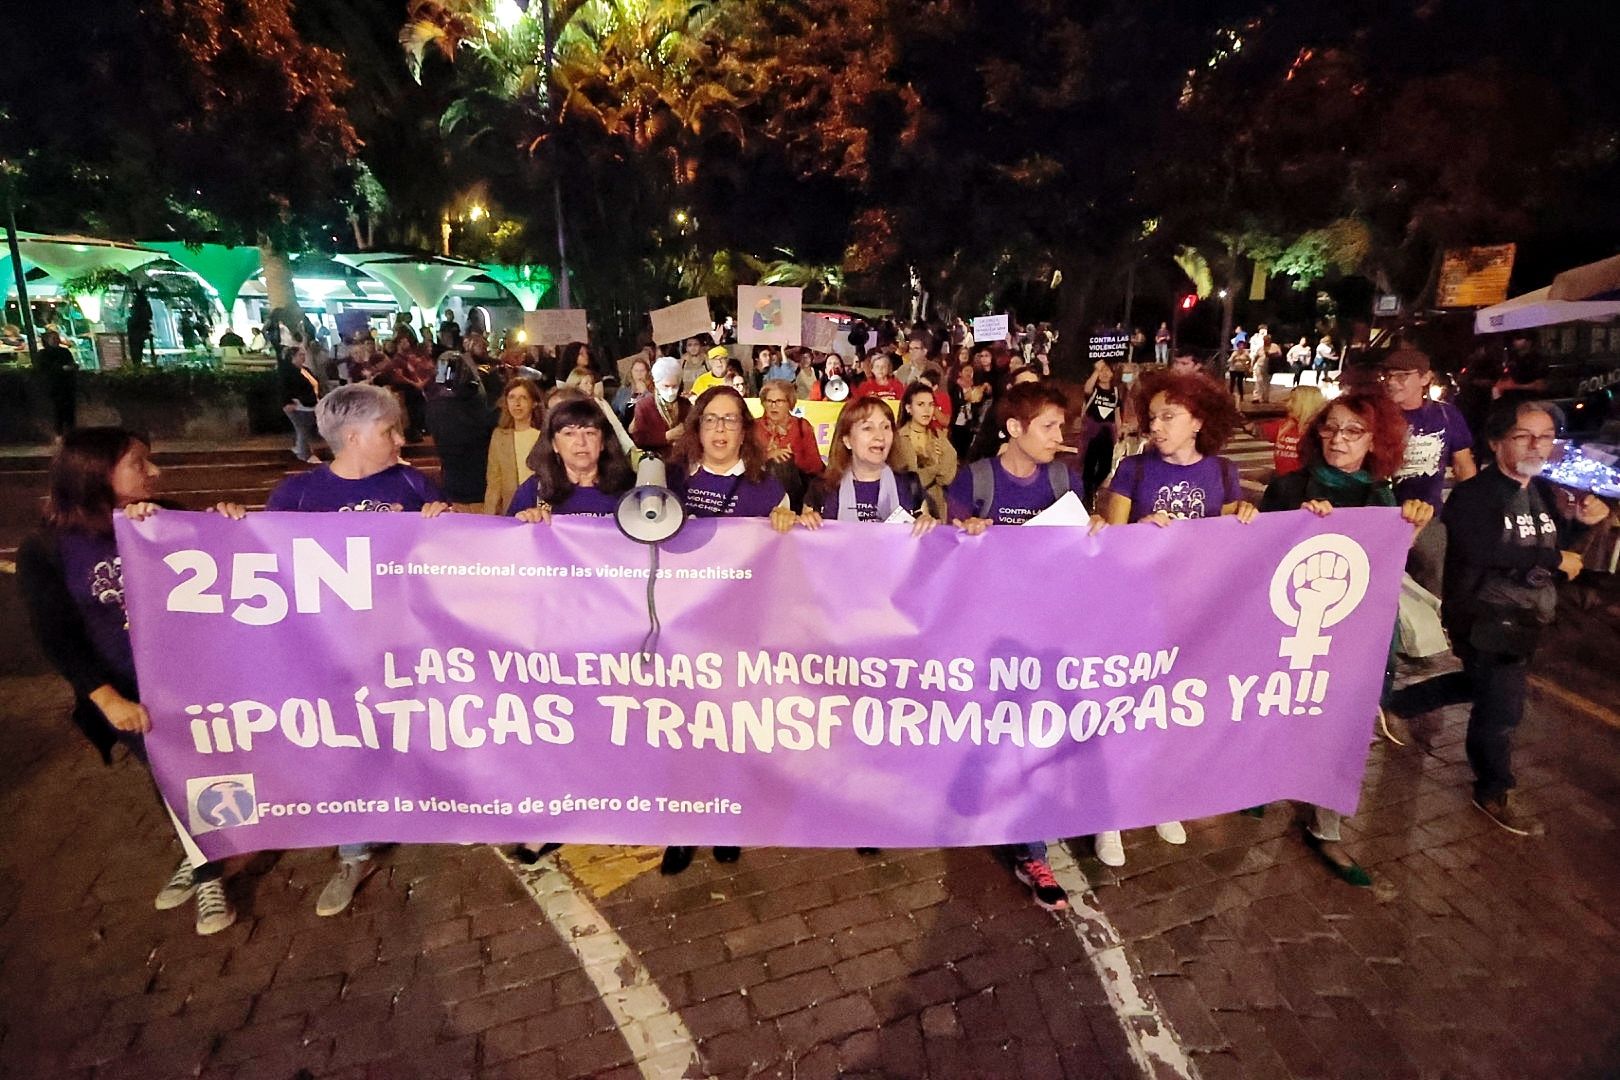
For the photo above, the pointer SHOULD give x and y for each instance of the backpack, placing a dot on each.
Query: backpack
(984, 483)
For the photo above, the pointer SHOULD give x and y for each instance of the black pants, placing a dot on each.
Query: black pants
(64, 405)
(1496, 685)
(1098, 459)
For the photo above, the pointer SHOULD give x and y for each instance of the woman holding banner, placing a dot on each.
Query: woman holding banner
(364, 426)
(725, 477)
(1349, 450)
(862, 481)
(578, 466)
(1024, 479)
(1188, 417)
(73, 587)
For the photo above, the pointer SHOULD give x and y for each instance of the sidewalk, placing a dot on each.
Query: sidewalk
(1478, 954)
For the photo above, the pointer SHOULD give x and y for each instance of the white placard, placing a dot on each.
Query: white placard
(989, 329)
(689, 318)
(556, 326)
(769, 315)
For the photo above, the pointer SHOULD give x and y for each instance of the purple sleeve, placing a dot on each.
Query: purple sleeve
(1232, 480)
(1458, 437)
(1077, 480)
(1126, 477)
(287, 494)
(526, 497)
(959, 495)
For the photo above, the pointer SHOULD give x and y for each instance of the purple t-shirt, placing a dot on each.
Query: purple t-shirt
(1182, 491)
(1016, 498)
(95, 580)
(866, 499)
(398, 487)
(709, 495)
(586, 500)
(1437, 432)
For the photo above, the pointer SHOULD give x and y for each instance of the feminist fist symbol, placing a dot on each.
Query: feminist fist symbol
(1316, 585)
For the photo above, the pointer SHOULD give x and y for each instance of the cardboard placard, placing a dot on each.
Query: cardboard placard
(689, 318)
(818, 333)
(556, 326)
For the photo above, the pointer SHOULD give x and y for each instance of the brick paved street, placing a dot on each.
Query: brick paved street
(1478, 955)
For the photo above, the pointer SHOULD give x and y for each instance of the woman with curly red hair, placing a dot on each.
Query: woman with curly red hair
(1350, 451)
(1188, 417)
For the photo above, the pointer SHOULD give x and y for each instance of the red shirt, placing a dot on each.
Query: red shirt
(1284, 435)
(888, 389)
(799, 437)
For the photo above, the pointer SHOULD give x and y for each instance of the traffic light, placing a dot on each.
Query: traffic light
(1188, 302)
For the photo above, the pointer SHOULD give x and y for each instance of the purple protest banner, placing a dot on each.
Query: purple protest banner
(324, 678)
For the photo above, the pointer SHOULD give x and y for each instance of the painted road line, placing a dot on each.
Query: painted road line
(1152, 1041)
(1576, 701)
(663, 1047)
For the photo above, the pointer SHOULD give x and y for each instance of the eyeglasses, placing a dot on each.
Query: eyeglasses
(1349, 431)
(774, 400)
(1399, 376)
(729, 422)
(1525, 438)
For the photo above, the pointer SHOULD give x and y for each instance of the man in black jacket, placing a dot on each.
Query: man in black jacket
(1509, 532)
(61, 372)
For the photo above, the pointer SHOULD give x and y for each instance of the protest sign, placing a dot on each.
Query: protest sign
(323, 678)
(674, 324)
(818, 332)
(990, 330)
(556, 326)
(1112, 347)
(769, 315)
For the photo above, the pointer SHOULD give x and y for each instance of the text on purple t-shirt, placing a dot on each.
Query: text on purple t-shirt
(1198, 490)
(709, 495)
(585, 500)
(1016, 498)
(1436, 432)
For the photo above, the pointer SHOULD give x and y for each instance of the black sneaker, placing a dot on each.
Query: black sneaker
(1514, 820)
(675, 860)
(1038, 876)
(528, 856)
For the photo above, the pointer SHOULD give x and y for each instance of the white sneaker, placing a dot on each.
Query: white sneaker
(214, 911)
(178, 889)
(339, 891)
(1110, 848)
(1171, 832)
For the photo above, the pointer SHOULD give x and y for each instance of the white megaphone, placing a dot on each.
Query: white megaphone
(649, 513)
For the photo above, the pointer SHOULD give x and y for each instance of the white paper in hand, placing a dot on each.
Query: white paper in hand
(1068, 510)
(901, 516)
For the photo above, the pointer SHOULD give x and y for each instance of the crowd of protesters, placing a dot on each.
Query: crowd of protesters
(935, 429)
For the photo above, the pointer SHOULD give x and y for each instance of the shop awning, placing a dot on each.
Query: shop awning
(1594, 281)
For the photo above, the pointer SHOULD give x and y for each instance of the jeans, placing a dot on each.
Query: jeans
(303, 422)
(1035, 849)
(1161, 352)
(355, 853)
(1495, 683)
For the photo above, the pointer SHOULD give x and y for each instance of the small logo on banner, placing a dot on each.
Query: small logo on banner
(221, 802)
(1317, 584)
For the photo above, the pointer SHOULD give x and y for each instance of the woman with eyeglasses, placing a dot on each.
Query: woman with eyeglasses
(725, 476)
(789, 442)
(1349, 451)
(1188, 417)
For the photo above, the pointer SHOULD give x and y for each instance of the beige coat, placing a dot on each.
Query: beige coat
(500, 475)
(935, 467)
